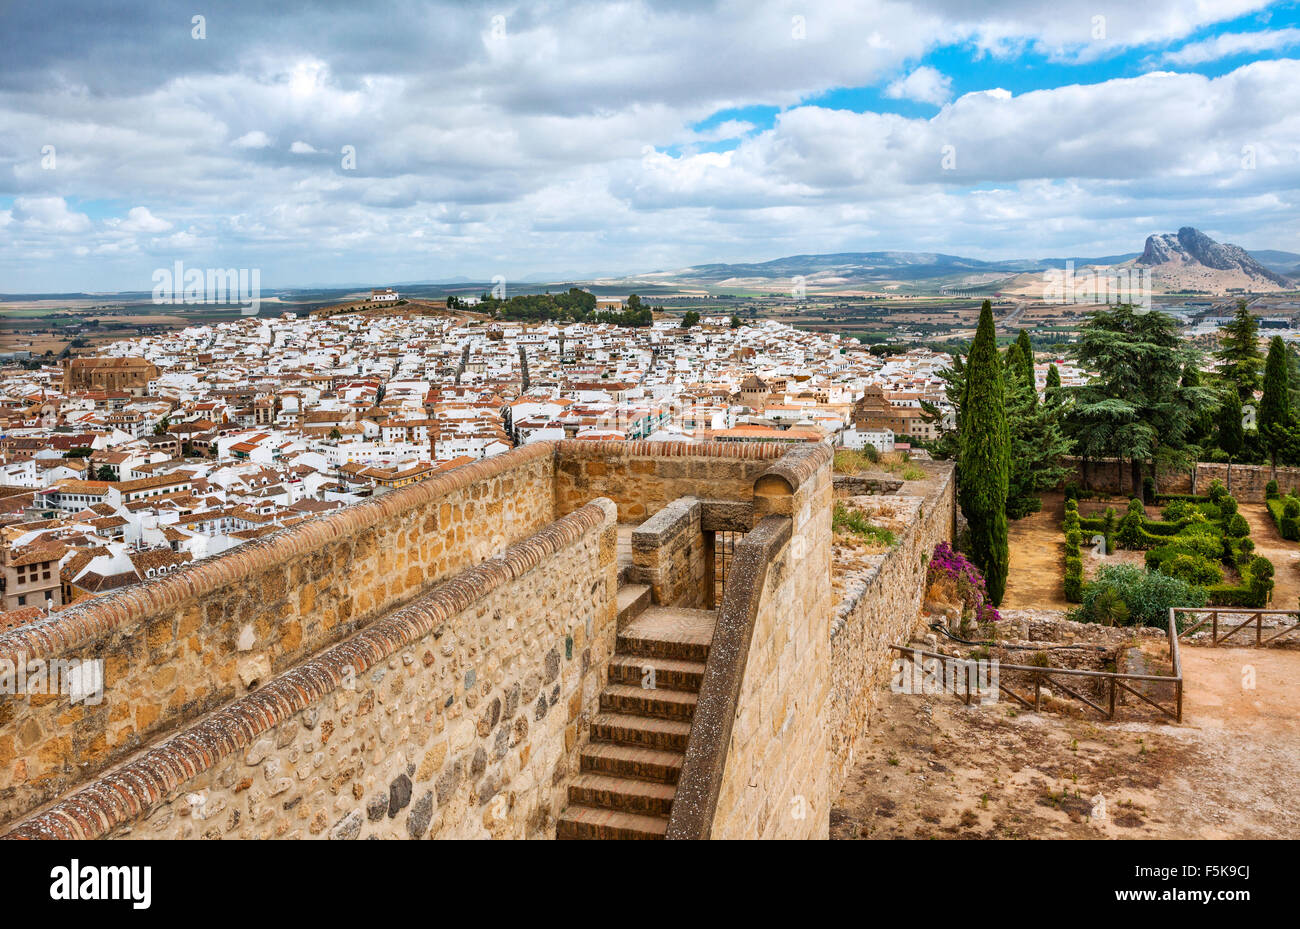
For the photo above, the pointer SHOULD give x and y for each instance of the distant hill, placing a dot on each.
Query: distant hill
(1190, 259)
(1281, 262)
(1186, 260)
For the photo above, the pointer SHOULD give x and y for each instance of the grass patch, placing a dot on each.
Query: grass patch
(848, 461)
(851, 522)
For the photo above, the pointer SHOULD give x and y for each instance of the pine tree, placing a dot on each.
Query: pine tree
(1202, 423)
(1135, 405)
(1053, 383)
(1275, 407)
(985, 462)
(1231, 437)
(1238, 353)
(1037, 444)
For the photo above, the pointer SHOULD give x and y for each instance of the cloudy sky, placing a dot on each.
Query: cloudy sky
(380, 142)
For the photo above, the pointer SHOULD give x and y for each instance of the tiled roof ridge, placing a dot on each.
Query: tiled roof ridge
(145, 781)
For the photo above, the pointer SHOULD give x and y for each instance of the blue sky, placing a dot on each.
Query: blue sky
(589, 138)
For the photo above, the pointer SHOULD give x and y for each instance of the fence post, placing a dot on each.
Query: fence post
(1112, 699)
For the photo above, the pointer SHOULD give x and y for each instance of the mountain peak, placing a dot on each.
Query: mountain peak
(1194, 250)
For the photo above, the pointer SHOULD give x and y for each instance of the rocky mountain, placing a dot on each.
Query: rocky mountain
(1190, 259)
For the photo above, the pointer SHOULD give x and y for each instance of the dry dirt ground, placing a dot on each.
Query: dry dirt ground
(1284, 555)
(1037, 546)
(930, 767)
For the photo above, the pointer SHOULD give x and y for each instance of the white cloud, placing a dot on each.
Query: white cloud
(255, 139)
(924, 85)
(1234, 43)
(49, 214)
(530, 154)
(139, 219)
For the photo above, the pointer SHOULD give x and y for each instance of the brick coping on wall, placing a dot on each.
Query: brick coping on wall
(700, 782)
(853, 595)
(140, 784)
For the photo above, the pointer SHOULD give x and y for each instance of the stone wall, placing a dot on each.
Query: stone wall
(880, 609)
(775, 783)
(178, 647)
(456, 717)
(1247, 482)
(670, 554)
(643, 477)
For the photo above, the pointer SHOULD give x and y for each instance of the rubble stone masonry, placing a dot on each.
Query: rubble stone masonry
(426, 664)
(880, 609)
(455, 717)
(776, 782)
(183, 645)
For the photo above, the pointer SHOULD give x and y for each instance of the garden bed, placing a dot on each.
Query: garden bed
(1198, 553)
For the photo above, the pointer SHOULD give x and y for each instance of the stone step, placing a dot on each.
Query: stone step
(638, 701)
(646, 764)
(670, 735)
(669, 632)
(669, 673)
(632, 602)
(644, 798)
(589, 822)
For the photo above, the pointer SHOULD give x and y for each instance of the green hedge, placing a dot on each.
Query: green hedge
(1287, 526)
(1256, 584)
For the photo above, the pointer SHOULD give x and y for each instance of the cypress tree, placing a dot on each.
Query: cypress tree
(1053, 379)
(1275, 406)
(985, 460)
(1027, 359)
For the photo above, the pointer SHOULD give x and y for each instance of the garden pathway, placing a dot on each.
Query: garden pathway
(1284, 555)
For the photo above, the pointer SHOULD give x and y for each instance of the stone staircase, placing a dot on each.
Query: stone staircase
(631, 762)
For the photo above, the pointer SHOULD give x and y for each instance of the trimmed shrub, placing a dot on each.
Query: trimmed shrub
(1270, 489)
(1147, 594)
(1130, 527)
(1073, 580)
(1194, 569)
(1217, 491)
(1227, 507)
(1286, 516)
(1237, 527)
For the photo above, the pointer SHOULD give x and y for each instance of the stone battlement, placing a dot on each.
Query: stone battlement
(429, 663)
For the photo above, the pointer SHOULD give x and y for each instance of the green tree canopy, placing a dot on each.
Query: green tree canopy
(1238, 354)
(1135, 405)
(984, 464)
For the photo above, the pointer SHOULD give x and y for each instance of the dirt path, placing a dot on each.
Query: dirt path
(1284, 555)
(1037, 547)
(934, 768)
